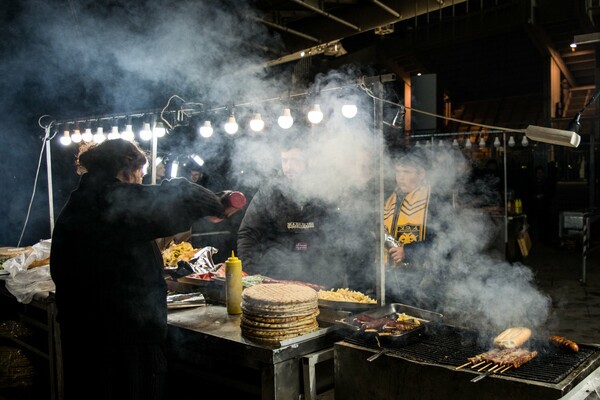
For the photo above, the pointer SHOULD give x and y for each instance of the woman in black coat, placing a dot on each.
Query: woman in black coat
(108, 271)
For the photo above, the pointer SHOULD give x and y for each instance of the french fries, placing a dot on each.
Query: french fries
(344, 294)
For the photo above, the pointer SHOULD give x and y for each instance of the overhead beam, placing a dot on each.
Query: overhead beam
(328, 15)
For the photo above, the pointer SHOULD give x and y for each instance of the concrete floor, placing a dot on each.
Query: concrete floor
(576, 306)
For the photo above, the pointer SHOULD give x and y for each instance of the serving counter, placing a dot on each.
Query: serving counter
(208, 355)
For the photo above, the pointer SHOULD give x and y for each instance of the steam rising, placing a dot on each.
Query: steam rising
(94, 57)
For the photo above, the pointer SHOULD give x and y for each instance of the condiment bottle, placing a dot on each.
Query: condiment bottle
(233, 284)
(233, 201)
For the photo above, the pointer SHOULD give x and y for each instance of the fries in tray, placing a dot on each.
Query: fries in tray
(343, 294)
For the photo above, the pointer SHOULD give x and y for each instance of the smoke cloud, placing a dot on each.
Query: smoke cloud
(81, 58)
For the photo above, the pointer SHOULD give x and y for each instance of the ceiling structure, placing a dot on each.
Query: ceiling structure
(480, 48)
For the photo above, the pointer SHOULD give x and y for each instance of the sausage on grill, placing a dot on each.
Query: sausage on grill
(564, 343)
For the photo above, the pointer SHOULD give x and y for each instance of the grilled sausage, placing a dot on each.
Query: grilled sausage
(564, 343)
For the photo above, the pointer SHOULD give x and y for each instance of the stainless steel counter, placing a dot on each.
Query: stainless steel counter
(206, 348)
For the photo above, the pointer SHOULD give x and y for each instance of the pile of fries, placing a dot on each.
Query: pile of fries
(344, 294)
(176, 252)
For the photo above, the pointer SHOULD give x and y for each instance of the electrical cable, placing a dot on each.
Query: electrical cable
(47, 137)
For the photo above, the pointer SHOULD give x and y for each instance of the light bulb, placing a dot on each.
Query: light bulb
(455, 142)
(231, 125)
(256, 123)
(114, 133)
(315, 115)
(285, 120)
(174, 168)
(206, 129)
(159, 129)
(441, 143)
(127, 134)
(99, 136)
(482, 142)
(349, 110)
(468, 143)
(146, 133)
(524, 142)
(65, 139)
(87, 135)
(511, 141)
(497, 142)
(76, 136)
(418, 143)
(197, 159)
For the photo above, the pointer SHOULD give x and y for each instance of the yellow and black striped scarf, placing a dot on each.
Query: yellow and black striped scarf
(407, 220)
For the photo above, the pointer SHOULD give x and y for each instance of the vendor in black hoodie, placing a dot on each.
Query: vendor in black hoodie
(108, 271)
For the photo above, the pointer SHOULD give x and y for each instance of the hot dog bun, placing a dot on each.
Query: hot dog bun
(512, 337)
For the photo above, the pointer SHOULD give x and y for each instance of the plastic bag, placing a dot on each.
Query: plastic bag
(24, 282)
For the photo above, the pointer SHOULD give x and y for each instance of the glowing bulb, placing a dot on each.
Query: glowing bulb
(231, 126)
(468, 143)
(455, 142)
(349, 110)
(174, 168)
(482, 142)
(127, 134)
(197, 159)
(511, 141)
(285, 120)
(146, 133)
(497, 142)
(114, 133)
(256, 123)
(206, 129)
(524, 142)
(87, 135)
(159, 129)
(65, 139)
(418, 143)
(99, 136)
(76, 136)
(315, 115)
(441, 143)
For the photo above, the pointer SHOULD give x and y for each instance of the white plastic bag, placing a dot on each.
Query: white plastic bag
(24, 283)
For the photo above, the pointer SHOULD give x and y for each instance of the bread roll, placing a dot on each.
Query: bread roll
(512, 337)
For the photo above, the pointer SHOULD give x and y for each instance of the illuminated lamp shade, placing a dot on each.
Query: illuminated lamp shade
(315, 115)
(159, 129)
(231, 126)
(76, 136)
(87, 135)
(99, 136)
(65, 139)
(127, 134)
(206, 129)
(114, 133)
(197, 159)
(256, 123)
(349, 110)
(285, 120)
(146, 132)
(511, 141)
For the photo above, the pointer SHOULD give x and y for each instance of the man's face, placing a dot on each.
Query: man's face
(408, 178)
(293, 164)
(195, 176)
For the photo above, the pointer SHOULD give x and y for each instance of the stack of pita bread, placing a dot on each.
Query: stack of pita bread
(277, 311)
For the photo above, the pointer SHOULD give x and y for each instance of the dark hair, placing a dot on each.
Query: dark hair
(111, 157)
(415, 156)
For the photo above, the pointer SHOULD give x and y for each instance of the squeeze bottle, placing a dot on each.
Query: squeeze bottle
(233, 284)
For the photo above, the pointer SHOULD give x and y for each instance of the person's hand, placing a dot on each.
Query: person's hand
(397, 255)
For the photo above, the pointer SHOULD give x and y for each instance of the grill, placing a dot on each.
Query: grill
(550, 375)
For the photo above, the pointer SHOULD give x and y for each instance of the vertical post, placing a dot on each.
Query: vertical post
(505, 197)
(153, 160)
(49, 175)
(379, 239)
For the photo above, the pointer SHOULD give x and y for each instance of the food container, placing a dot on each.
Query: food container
(425, 317)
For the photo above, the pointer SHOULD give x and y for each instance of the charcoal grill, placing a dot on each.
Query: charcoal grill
(424, 367)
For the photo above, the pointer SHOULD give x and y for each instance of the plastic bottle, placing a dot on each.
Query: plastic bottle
(233, 284)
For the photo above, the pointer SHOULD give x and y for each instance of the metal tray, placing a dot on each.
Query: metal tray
(426, 318)
(346, 305)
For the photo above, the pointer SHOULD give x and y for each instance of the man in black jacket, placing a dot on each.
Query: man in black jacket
(109, 273)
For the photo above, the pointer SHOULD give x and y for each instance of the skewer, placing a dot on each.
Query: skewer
(484, 367)
(496, 367)
(478, 364)
(464, 365)
(506, 369)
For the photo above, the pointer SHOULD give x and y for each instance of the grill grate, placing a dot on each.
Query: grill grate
(452, 346)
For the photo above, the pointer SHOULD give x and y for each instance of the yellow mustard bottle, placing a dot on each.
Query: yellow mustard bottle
(233, 284)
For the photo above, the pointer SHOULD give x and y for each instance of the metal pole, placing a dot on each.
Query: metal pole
(378, 137)
(505, 197)
(49, 175)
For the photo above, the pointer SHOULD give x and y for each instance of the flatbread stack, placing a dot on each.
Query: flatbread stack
(272, 312)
